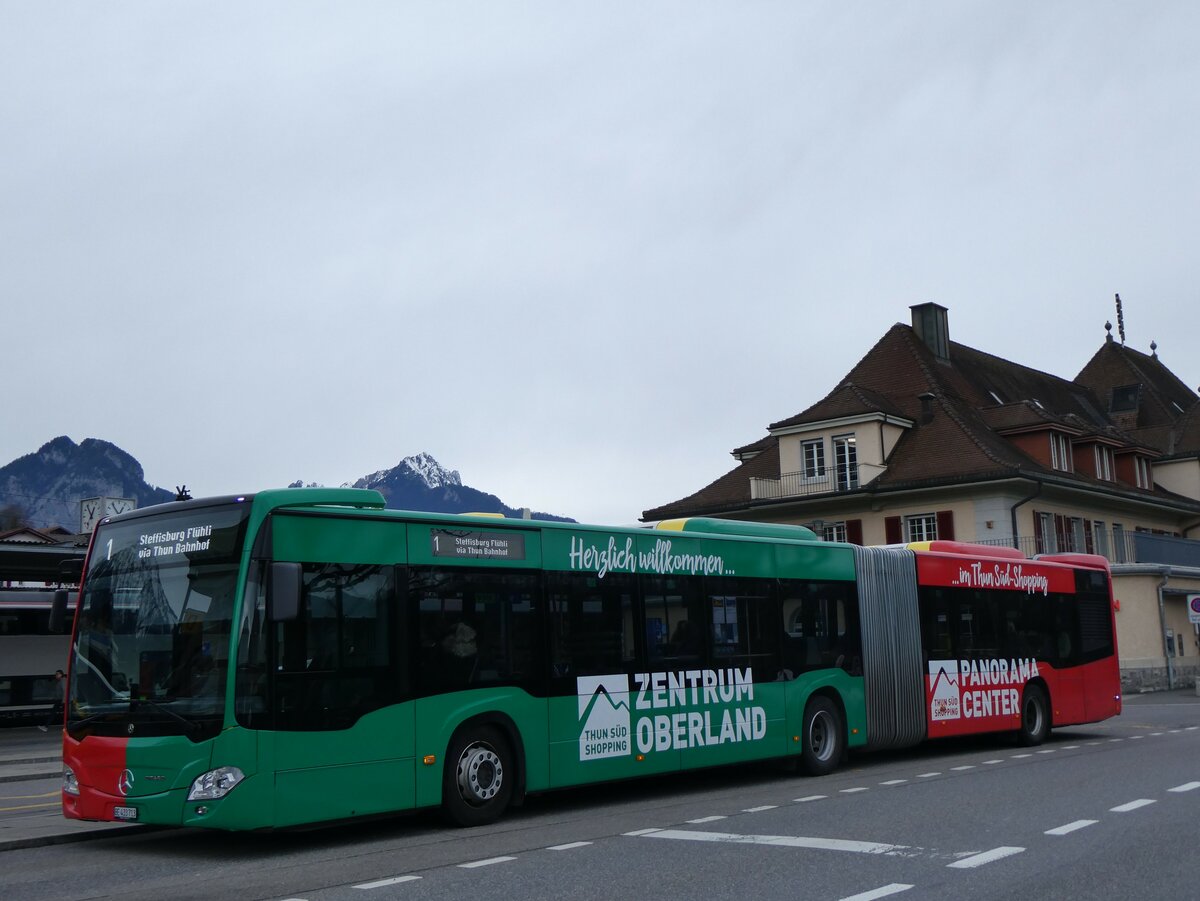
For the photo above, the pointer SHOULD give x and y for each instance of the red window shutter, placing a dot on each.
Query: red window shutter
(891, 530)
(945, 525)
(1038, 543)
(854, 533)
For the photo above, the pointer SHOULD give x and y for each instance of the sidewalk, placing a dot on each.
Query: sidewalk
(1183, 695)
(28, 754)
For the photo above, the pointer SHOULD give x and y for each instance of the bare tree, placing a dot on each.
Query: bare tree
(12, 517)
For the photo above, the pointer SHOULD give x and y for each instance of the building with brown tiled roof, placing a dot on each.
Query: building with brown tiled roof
(926, 438)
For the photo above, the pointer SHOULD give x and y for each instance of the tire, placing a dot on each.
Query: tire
(1035, 716)
(477, 783)
(823, 737)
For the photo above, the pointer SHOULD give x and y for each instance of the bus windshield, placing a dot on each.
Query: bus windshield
(152, 645)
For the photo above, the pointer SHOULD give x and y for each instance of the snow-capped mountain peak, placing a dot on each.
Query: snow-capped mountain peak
(430, 470)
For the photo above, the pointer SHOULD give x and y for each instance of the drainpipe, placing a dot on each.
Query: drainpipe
(1012, 512)
(1162, 628)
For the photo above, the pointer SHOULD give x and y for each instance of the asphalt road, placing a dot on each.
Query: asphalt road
(1103, 811)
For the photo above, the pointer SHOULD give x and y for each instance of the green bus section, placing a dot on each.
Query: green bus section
(367, 661)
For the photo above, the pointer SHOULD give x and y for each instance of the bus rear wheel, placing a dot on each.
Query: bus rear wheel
(822, 736)
(1035, 716)
(477, 784)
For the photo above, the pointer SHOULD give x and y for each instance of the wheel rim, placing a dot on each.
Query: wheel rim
(821, 736)
(1033, 715)
(480, 774)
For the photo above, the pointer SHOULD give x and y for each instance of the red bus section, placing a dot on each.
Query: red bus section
(1008, 640)
(101, 777)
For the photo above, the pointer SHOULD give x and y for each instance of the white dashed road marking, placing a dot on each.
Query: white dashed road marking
(811, 798)
(882, 892)
(1071, 827)
(1186, 787)
(484, 863)
(760, 809)
(569, 846)
(894, 782)
(395, 880)
(1132, 805)
(706, 820)
(978, 860)
(787, 841)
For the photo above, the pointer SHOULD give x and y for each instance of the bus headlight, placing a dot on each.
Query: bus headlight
(70, 781)
(215, 783)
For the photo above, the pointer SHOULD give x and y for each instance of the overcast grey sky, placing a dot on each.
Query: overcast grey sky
(578, 252)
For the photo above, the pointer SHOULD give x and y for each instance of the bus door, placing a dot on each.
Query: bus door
(600, 695)
(739, 711)
(1067, 679)
(1098, 647)
(342, 741)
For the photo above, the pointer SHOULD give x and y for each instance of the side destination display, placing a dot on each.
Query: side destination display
(477, 545)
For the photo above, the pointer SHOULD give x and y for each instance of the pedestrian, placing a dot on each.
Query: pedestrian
(60, 701)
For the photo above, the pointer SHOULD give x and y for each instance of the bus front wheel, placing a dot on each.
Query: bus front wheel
(1035, 716)
(478, 780)
(823, 736)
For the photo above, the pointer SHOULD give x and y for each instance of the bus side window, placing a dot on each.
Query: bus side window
(674, 614)
(935, 624)
(1066, 631)
(338, 659)
(476, 627)
(251, 704)
(745, 627)
(591, 623)
(980, 632)
(820, 625)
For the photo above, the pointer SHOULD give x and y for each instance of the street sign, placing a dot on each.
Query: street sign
(1194, 608)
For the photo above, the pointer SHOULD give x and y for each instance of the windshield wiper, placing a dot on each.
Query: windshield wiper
(190, 726)
(135, 702)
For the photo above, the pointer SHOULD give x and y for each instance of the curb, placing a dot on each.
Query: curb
(28, 777)
(65, 838)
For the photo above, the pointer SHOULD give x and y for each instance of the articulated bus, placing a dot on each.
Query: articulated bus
(305, 655)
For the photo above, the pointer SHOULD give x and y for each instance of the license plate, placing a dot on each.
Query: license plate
(124, 813)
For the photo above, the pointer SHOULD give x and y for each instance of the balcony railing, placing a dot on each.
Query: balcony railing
(1118, 546)
(797, 484)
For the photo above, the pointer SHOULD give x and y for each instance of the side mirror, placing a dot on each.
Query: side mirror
(284, 596)
(70, 570)
(58, 611)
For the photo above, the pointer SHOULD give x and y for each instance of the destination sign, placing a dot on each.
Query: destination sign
(202, 535)
(477, 545)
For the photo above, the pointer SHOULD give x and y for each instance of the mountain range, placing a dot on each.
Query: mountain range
(43, 489)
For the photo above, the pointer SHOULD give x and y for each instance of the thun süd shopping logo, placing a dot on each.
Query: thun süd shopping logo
(604, 715)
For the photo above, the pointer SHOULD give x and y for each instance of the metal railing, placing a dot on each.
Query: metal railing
(830, 481)
(1118, 545)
